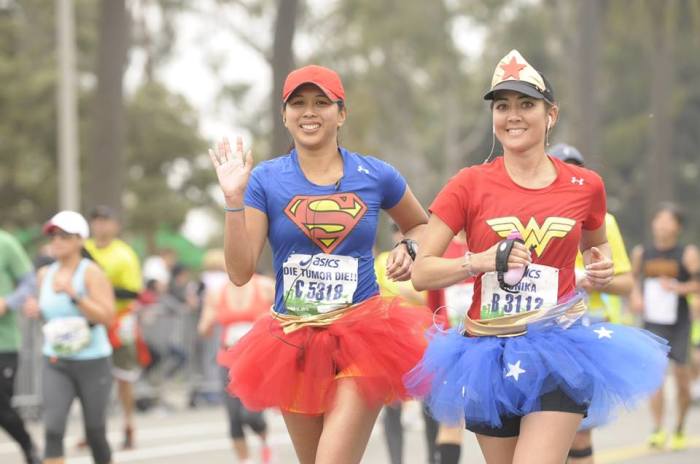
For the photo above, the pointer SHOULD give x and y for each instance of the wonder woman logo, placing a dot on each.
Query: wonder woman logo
(534, 235)
(326, 219)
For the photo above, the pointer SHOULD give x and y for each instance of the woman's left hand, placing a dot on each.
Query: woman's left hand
(62, 284)
(599, 268)
(399, 264)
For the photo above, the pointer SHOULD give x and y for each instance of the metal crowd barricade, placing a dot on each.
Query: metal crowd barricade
(27, 397)
(168, 327)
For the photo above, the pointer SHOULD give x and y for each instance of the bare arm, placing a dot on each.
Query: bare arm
(244, 238)
(245, 229)
(597, 257)
(621, 284)
(432, 271)
(31, 304)
(411, 218)
(98, 303)
(636, 299)
(691, 261)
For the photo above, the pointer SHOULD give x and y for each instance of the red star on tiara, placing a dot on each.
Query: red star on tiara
(512, 69)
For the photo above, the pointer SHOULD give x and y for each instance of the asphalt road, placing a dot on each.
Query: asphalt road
(182, 435)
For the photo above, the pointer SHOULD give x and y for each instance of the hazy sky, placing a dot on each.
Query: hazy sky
(209, 54)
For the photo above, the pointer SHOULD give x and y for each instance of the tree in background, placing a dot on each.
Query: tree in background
(105, 158)
(414, 73)
(162, 177)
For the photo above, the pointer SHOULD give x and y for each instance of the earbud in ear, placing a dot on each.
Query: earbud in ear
(549, 122)
(493, 129)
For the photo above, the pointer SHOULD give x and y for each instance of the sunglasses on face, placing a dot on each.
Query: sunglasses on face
(63, 235)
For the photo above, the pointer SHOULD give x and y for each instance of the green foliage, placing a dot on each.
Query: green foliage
(413, 95)
(164, 178)
(167, 170)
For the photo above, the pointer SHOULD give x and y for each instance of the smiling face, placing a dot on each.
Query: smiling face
(520, 122)
(312, 118)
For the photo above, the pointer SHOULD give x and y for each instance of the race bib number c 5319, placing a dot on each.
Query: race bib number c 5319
(320, 283)
(538, 289)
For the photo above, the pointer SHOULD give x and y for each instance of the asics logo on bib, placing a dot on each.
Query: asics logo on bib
(326, 219)
(535, 236)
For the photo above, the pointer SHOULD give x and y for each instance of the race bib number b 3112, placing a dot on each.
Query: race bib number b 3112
(538, 289)
(315, 284)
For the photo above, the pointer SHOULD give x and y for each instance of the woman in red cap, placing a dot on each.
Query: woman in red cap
(524, 371)
(331, 351)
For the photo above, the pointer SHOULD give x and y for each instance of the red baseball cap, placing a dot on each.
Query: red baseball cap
(325, 79)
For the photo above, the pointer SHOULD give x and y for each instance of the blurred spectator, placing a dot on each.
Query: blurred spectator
(121, 265)
(16, 284)
(159, 267)
(77, 302)
(207, 388)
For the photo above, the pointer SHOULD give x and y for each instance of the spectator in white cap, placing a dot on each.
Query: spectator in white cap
(76, 302)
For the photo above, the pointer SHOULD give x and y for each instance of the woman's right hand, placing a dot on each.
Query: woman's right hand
(519, 257)
(232, 169)
(31, 308)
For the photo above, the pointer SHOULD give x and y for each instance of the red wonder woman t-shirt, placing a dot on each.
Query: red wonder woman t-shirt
(488, 205)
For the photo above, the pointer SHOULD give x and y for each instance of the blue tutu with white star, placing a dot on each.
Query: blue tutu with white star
(604, 366)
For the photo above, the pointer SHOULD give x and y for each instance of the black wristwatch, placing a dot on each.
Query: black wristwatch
(411, 247)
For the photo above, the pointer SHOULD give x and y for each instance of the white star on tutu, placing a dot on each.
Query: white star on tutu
(603, 333)
(514, 370)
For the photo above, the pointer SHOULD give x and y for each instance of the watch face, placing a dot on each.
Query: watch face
(412, 248)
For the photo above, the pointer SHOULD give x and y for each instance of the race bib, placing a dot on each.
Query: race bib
(458, 299)
(67, 335)
(235, 332)
(127, 329)
(538, 289)
(321, 283)
(660, 305)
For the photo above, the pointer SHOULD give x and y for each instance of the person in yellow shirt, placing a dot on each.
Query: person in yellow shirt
(393, 430)
(121, 264)
(601, 306)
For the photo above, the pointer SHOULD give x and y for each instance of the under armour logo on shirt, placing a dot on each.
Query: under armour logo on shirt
(575, 180)
(361, 169)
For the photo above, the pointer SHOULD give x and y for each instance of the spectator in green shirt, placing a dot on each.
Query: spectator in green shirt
(16, 283)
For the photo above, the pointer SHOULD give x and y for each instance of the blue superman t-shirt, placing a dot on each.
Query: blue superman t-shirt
(322, 235)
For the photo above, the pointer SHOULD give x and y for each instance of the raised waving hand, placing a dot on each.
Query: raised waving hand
(232, 169)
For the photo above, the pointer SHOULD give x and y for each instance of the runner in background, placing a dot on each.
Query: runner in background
(602, 307)
(76, 302)
(235, 309)
(206, 385)
(694, 303)
(666, 272)
(16, 284)
(450, 305)
(392, 414)
(121, 264)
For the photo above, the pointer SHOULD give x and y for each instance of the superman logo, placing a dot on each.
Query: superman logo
(326, 219)
(536, 237)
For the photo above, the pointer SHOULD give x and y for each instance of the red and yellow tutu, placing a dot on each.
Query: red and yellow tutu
(293, 364)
